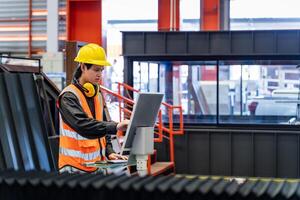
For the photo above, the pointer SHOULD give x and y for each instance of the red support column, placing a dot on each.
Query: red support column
(210, 15)
(84, 21)
(168, 15)
(168, 20)
(29, 28)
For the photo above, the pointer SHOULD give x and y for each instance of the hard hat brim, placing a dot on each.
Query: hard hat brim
(93, 62)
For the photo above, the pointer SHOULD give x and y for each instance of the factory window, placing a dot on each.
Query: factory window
(146, 76)
(192, 85)
(266, 14)
(264, 93)
(226, 92)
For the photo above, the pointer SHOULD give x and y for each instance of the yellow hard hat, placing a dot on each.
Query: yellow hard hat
(92, 54)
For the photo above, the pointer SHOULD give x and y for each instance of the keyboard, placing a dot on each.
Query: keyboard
(117, 161)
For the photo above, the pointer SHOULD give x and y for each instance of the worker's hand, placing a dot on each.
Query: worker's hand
(122, 126)
(115, 156)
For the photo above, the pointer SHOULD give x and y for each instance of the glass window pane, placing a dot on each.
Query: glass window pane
(153, 75)
(190, 84)
(201, 94)
(141, 76)
(265, 93)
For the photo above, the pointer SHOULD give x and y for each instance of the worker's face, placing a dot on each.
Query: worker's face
(94, 74)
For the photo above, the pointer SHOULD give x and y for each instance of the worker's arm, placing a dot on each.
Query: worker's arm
(109, 147)
(110, 153)
(73, 114)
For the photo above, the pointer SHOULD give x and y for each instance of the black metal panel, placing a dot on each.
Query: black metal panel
(8, 139)
(242, 42)
(163, 148)
(54, 146)
(198, 43)
(220, 43)
(135, 43)
(176, 43)
(198, 153)
(237, 152)
(287, 154)
(52, 93)
(212, 43)
(264, 42)
(155, 43)
(36, 123)
(19, 118)
(288, 42)
(181, 144)
(128, 71)
(241, 154)
(23, 137)
(265, 165)
(2, 161)
(220, 154)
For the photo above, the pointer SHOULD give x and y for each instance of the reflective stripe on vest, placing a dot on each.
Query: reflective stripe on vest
(74, 149)
(71, 134)
(78, 154)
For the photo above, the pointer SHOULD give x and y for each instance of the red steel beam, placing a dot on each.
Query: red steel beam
(210, 15)
(168, 15)
(84, 21)
(30, 29)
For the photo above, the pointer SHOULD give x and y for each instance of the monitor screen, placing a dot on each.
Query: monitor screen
(144, 114)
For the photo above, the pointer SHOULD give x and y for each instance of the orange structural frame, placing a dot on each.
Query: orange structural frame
(168, 15)
(84, 21)
(210, 15)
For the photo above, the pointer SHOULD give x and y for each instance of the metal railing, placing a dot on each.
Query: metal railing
(164, 127)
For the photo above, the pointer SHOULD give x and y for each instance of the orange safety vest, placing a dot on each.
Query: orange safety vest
(74, 149)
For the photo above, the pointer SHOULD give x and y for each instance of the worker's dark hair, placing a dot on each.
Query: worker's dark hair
(78, 71)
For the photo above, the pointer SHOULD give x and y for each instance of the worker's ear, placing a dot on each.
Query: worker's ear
(82, 67)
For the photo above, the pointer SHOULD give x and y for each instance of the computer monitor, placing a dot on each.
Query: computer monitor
(144, 114)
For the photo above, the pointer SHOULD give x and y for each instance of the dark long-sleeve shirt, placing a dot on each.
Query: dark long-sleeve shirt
(72, 113)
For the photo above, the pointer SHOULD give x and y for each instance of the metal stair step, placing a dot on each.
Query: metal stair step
(162, 168)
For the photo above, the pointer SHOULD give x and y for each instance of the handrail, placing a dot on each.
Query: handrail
(125, 110)
(158, 125)
(160, 128)
(128, 87)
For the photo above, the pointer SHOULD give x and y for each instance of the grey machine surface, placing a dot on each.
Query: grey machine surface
(139, 138)
(142, 120)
